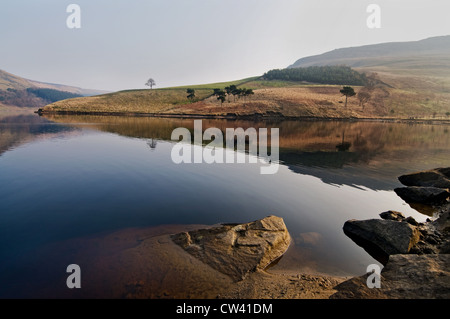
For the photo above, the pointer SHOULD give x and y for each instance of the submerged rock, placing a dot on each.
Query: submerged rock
(439, 178)
(423, 195)
(236, 250)
(382, 238)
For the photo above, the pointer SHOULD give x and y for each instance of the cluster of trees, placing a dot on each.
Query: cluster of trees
(340, 75)
(223, 94)
(33, 97)
(232, 90)
(220, 95)
(374, 90)
(52, 95)
(191, 94)
(20, 98)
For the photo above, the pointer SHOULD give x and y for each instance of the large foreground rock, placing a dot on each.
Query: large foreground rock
(382, 238)
(236, 250)
(404, 277)
(423, 195)
(439, 178)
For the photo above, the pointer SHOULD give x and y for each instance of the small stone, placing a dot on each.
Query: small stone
(412, 221)
(431, 240)
(392, 215)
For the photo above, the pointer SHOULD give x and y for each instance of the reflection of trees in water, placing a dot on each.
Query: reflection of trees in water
(343, 146)
(316, 148)
(319, 158)
(152, 143)
(316, 143)
(369, 143)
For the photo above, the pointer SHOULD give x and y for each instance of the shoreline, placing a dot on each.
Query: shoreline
(251, 117)
(415, 255)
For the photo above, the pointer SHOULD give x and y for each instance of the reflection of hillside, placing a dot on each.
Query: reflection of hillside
(20, 129)
(319, 158)
(311, 147)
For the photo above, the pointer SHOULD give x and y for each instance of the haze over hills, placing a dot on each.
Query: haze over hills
(8, 80)
(431, 56)
(21, 92)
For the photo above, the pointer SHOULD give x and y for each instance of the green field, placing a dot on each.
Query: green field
(220, 85)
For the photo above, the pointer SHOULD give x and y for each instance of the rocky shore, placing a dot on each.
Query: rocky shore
(233, 260)
(415, 255)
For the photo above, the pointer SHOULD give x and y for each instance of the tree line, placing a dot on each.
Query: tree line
(339, 74)
(227, 92)
(52, 95)
(33, 97)
(234, 91)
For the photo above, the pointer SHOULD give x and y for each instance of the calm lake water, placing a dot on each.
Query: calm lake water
(69, 177)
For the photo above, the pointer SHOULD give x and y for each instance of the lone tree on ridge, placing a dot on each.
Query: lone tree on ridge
(150, 83)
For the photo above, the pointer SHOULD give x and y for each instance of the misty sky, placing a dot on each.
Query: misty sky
(122, 43)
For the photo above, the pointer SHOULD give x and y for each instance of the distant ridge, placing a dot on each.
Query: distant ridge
(11, 81)
(384, 54)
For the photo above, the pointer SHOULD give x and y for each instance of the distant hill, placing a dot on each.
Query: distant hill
(11, 81)
(66, 88)
(8, 80)
(432, 54)
(21, 92)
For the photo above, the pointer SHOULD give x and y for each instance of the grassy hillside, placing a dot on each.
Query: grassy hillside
(271, 98)
(413, 81)
(11, 81)
(292, 101)
(16, 91)
(417, 72)
(220, 85)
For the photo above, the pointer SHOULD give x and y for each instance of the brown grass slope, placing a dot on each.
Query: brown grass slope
(416, 74)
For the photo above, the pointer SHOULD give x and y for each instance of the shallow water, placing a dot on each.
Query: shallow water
(70, 177)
